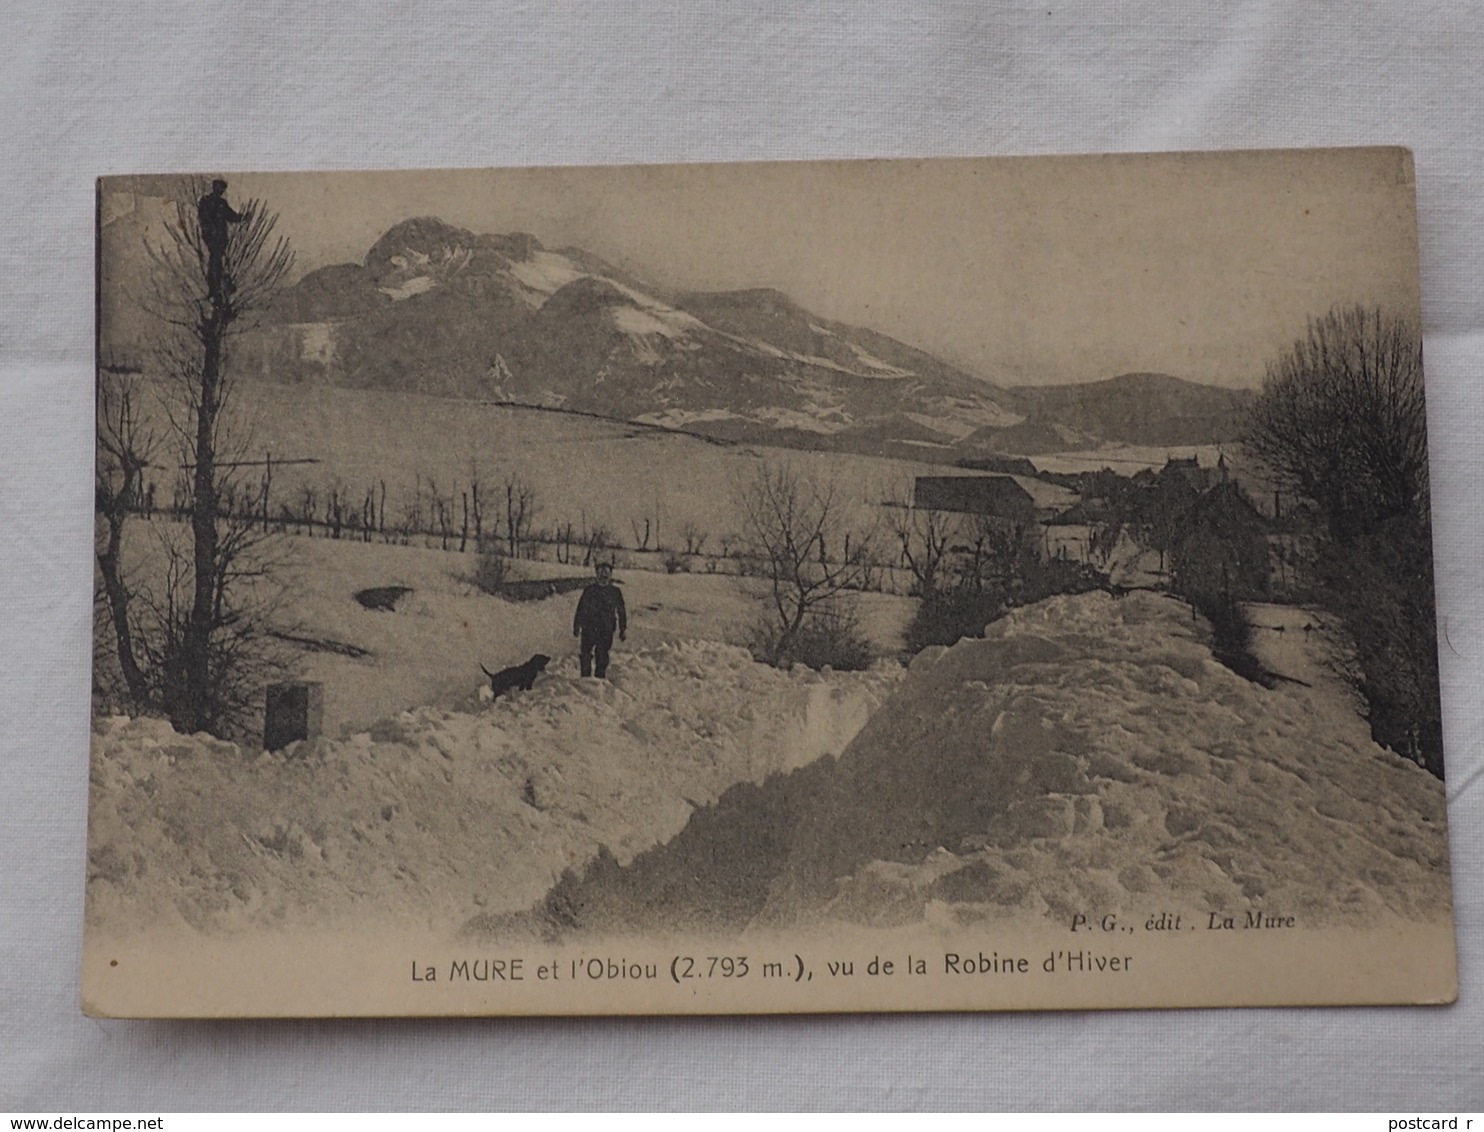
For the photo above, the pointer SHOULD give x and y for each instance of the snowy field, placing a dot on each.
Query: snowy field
(1126, 459)
(429, 650)
(586, 471)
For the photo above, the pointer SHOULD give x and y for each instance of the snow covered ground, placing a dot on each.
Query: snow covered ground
(429, 650)
(422, 801)
(584, 470)
(1088, 753)
(1088, 756)
(431, 815)
(1114, 764)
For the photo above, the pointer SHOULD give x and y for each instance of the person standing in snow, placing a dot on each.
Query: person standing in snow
(599, 611)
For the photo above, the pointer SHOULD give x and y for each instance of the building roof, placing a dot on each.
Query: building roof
(1227, 509)
(999, 496)
(1188, 468)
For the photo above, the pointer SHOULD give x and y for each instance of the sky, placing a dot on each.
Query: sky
(1029, 270)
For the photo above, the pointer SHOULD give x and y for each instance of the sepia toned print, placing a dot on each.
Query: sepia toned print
(902, 585)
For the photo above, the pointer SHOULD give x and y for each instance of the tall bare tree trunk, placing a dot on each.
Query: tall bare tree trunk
(191, 714)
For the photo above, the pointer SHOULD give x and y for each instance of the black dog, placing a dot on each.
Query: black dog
(520, 676)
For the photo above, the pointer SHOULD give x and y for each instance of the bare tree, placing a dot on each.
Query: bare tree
(335, 509)
(789, 524)
(693, 537)
(562, 535)
(1342, 422)
(597, 540)
(992, 553)
(1341, 419)
(196, 644)
(439, 504)
(472, 508)
(126, 445)
(520, 512)
(923, 537)
(308, 502)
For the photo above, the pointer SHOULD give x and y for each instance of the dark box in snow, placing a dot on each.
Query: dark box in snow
(294, 711)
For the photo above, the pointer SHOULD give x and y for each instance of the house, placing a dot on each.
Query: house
(992, 496)
(1223, 545)
(1140, 518)
(1188, 469)
(998, 523)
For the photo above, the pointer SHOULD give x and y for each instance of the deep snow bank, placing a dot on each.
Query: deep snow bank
(433, 814)
(1088, 755)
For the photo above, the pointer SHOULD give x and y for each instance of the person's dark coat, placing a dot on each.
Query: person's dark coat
(600, 610)
(215, 214)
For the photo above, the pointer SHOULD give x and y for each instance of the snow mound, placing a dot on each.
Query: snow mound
(1088, 755)
(428, 816)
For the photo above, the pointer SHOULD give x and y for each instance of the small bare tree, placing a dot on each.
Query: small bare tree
(126, 445)
(472, 509)
(693, 537)
(641, 533)
(923, 536)
(596, 542)
(789, 524)
(439, 505)
(521, 509)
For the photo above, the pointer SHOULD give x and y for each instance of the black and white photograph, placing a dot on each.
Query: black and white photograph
(952, 584)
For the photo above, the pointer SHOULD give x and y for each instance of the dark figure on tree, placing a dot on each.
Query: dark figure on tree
(215, 215)
(599, 611)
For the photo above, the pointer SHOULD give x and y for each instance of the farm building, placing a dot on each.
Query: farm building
(998, 497)
(1223, 546)
(1188, 470)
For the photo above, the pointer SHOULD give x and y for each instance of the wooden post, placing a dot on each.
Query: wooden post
(293, 711)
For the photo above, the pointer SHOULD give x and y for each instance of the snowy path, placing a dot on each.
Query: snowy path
(1089, 755)
(1120, 766)
(433, 814)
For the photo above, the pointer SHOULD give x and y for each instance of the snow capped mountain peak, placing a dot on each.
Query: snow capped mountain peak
(423, 239)
(502, 316)
(433, 306)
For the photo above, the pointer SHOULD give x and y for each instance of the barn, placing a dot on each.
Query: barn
(999, 497)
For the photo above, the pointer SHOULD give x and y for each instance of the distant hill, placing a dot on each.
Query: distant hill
(1140, 408)
(1031, 437)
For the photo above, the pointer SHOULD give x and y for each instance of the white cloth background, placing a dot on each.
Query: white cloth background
(128, 85)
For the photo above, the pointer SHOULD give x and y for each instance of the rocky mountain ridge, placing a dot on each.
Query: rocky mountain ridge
(441, 310)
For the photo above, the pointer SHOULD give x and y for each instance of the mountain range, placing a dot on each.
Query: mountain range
(440, 310)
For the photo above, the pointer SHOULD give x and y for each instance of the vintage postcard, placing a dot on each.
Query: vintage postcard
(849, 586)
